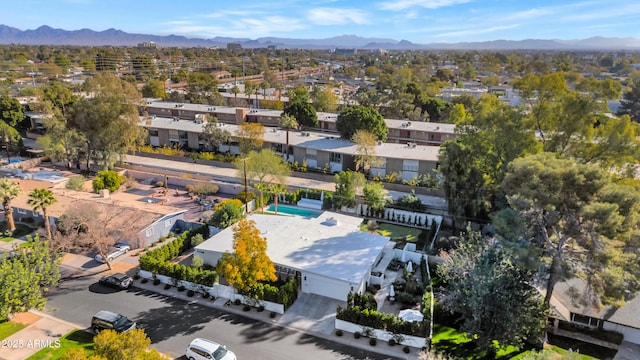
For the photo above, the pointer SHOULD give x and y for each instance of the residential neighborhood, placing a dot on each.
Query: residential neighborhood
(341, 204)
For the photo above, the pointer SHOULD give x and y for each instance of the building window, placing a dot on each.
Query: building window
(167, 223)
(183, 135)
(335, 157)
(21, 211)
(585, 320)
(410, 165)
(149, 232)
(153, 132)
(277, 148)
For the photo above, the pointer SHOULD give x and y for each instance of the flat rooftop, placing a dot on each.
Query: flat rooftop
(306, 139)
(316, 245)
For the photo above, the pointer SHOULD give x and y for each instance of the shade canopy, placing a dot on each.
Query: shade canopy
(411, 315)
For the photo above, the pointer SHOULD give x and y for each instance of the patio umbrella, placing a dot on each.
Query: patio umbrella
(410, 267)
(411, 315)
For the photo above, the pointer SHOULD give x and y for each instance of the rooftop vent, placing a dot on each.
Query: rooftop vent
(332, 221)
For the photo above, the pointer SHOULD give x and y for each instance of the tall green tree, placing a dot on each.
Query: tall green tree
(227, 213)
(630, 104)
(250, 137)
(9, 190)
(41, 200)
(303, 112)
(10, 111)
(495, 297)
(358, 117)
(586, 224)
(214, 135)
(154, 89)
(347, 184)
(26, 277)
(288, 122)
(374, 195)
(366, 156)
(264, 166)
(249, 263)
(108, 121)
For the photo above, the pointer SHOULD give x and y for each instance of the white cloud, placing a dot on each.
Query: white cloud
(226, 13)
(245, 27)
(337, 16)
(427, 4)
(475, 31)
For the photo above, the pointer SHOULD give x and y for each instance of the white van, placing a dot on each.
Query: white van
(203, 349)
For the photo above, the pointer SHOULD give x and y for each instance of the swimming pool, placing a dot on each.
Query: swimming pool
(294, 210)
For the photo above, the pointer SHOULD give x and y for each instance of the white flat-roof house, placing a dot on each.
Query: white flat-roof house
(329, 254)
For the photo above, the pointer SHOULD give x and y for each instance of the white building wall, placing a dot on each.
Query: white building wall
(631, 335)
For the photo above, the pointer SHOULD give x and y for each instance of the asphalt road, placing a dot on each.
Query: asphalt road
(172, 324)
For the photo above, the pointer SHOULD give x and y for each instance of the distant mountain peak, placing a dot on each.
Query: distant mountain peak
(46, 35)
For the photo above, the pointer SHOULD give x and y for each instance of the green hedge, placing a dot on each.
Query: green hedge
(158, 261)
(285, 294)
(369, 317)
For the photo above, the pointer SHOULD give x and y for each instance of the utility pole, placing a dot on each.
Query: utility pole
(6, 144)
(246, 197)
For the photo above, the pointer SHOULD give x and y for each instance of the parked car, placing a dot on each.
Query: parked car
(115, 251)
(118, 280)
(108, 320)
(203, 349)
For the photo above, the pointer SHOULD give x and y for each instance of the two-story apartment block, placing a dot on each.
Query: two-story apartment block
(318, 150)
(400, 131)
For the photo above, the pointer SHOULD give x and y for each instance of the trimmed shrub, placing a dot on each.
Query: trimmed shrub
(167, 286)
(206, 295)
(246, 308)
(190, 293)
(156, 281)
(181, 288)
(136, 276)
(392, 342)
(273, 315)
(406, 349)
(260, 308)
(76, 183)
(357, 335)
(144, 280)
(339, 332)
(107, 179)
(373, 341)
(237, 302)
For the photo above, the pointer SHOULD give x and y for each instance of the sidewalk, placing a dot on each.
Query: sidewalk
(313, 315)
(43, 333)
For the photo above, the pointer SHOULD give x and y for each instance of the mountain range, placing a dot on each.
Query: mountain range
(46, 35)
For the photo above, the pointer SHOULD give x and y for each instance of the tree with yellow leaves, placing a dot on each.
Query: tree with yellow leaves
(248, 264)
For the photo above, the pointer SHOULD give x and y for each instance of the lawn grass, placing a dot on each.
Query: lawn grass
(395, 232)
(551, 350)
(76, 339)
(8, 328)
(21, 230)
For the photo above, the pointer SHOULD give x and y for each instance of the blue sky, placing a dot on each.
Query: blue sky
(419, 21)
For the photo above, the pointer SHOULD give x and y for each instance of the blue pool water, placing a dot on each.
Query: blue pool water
(294, 210)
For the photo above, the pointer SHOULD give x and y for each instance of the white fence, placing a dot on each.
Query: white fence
(411, 218)
(216, 291)
(409, 340)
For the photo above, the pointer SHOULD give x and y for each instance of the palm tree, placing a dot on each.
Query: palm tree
(41, 199)
(288, 122)
(235, 90)
(9, 191)
(276, 189)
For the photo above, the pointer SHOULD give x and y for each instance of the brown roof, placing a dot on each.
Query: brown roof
(69, 198)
